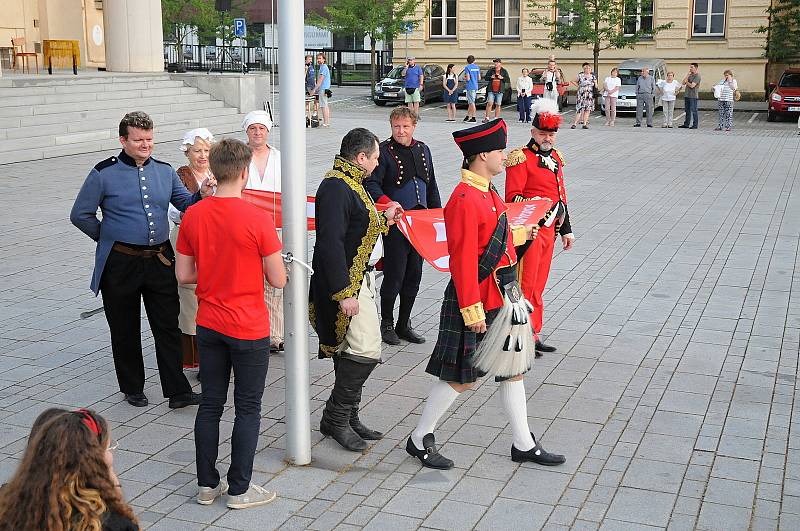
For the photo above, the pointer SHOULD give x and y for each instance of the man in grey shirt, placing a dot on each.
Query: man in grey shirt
(645, 90)
(692, 84)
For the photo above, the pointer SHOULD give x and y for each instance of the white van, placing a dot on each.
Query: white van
(629, 71)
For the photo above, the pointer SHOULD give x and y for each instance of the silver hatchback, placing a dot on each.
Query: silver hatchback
(629, 71)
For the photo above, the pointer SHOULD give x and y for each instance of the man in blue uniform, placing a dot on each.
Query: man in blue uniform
(134, 259)
(405, 175)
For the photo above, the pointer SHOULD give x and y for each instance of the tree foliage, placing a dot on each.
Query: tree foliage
(783, 31)
(378, 20)
(181, 18)
(603, 24)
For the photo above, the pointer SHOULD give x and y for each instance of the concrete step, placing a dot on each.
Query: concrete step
(169, 133)
(54, 81)
(96, 87)
(89, 97)
(165, 121)
(43, 118)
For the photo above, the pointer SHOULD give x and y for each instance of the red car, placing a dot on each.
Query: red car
(537, 74)
(784, 97)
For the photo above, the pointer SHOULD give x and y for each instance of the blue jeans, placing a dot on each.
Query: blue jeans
(249, 360)
(690, 106)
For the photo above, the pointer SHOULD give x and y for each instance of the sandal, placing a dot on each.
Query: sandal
(573, 126)
(585, 126)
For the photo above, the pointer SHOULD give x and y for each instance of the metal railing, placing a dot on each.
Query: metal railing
(348, 67)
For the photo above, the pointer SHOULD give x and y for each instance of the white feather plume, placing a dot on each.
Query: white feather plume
(544, 105)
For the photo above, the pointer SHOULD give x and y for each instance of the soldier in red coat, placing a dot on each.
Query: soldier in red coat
(537, 170)
(482, 244)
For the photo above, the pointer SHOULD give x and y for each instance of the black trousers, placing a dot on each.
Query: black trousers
(402, 272)
(249, 360)
(125, 282)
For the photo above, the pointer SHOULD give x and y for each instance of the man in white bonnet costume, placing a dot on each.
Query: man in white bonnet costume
(265, 175)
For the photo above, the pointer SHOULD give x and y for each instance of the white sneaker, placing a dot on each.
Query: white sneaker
(254, 497)
(207, 495)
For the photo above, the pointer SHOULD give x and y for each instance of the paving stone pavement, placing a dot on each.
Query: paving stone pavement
(672, 392)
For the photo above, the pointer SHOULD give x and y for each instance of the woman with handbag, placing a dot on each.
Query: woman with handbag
(584, 101)
(726, 91)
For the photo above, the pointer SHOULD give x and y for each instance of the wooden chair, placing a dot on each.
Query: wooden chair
(19, 42)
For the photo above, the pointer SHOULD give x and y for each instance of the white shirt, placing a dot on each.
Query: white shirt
(727, 89)
(668, 89)
(524, 84)
(611, 82)
(270, 181)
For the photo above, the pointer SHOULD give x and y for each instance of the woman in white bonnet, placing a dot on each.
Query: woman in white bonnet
(196, 144)
(265, 175)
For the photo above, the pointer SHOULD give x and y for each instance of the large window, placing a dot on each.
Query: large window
(566, 18)
(709, 18)
(505, 18)
(443, 18)
(638, 16)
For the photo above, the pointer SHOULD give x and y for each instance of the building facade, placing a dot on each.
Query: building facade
(717, 34)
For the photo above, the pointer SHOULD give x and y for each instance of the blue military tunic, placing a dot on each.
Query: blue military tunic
(134, 203)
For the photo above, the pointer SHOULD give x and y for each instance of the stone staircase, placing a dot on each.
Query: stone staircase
(43, 117)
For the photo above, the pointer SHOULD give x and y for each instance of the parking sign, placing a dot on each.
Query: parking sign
(239, 27)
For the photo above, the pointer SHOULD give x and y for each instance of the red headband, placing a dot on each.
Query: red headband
(88, 420)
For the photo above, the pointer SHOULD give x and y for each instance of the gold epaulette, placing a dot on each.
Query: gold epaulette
(561, 157)
(516, 156)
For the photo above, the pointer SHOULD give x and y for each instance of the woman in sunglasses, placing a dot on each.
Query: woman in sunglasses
(66, 480)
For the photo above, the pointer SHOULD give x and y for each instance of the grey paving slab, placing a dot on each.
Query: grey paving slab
(672, 392)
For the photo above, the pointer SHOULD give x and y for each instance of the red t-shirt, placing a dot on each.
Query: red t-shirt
(228, 237)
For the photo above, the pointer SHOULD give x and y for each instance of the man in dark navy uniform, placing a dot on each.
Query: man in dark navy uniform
(404, 174)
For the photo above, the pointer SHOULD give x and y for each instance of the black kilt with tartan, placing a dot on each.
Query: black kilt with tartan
(455, 348)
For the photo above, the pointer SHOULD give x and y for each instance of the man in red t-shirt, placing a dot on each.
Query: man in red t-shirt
(226, 247)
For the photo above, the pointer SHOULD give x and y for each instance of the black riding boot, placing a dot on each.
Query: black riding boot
(365, 433)
(403, 329)
(336, 416)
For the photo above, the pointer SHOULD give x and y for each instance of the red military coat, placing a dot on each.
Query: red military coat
(528, 175)
(470, 217)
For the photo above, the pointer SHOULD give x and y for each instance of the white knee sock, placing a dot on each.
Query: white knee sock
(512, 393)
(440, 398)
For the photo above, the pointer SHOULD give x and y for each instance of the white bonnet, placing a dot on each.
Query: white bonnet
(190, 136)
(257, 117)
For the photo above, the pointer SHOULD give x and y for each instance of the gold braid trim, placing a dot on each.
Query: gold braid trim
(516, 156)
(560, 157)
(353, 176)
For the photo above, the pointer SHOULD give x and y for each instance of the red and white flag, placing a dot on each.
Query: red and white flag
(423, 228)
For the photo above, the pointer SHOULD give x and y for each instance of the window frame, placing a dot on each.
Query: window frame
(506, 21)
(708, 15)
(571, 17)
(638, 17)
(444, 18)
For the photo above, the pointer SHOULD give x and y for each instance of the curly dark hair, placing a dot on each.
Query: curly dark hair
(63, 482)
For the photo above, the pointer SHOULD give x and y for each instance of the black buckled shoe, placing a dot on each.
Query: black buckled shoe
(186, 399)
(429, 456)
(136, 399)
(409, 334)
(537, 455)
(388, 335)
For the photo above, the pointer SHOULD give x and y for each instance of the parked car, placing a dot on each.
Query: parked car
(480, 97)
(537, 74)
(784, 97)
(629, 72)
(390, 89)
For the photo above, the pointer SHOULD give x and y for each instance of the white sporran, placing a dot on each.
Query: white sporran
(508, 348)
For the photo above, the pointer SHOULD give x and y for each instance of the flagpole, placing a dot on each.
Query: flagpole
(295, 235)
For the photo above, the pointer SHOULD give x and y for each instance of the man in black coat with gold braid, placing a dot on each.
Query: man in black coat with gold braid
(404, 174)
(342, 295)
